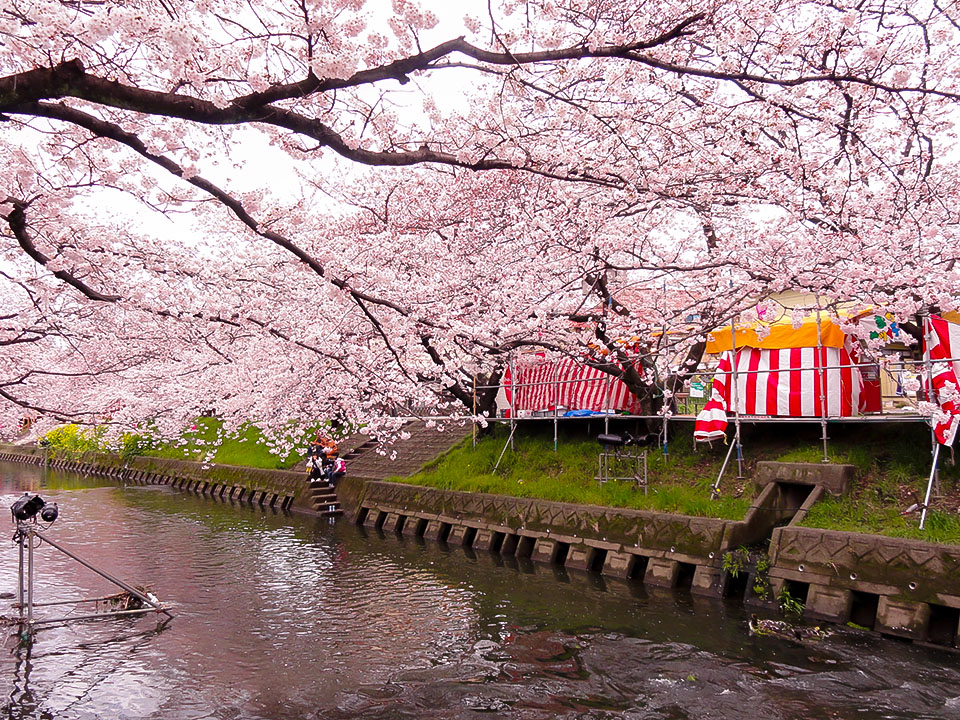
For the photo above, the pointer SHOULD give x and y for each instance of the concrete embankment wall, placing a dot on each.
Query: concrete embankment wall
(270, 488)
(662, 549)
(902, 588)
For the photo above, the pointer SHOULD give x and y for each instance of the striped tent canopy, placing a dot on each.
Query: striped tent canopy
(780, 379)
(561, 385)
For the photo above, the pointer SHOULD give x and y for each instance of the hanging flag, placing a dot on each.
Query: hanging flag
(942, 339)
(711, 422)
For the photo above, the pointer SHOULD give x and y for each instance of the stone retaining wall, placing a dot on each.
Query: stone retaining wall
(903, 588)
(270, 488)
(895, 586)
(663, 549)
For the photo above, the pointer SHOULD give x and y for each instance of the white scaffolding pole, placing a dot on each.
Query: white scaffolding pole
(556, 401)
(733, 398)
(933, 474)
(926, 329)
(606, 405)
(513, 401)
(822, 372)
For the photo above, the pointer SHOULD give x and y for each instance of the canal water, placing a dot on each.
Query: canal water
(283, 616)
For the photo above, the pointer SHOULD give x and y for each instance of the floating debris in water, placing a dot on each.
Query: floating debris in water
(785, 630)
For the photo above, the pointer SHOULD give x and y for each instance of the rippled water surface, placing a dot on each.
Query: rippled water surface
(280, 616)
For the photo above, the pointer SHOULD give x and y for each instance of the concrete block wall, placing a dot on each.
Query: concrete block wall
(903, 588)
(658, 548)
(269, 488)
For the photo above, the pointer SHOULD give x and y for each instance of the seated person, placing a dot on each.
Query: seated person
(315, 448)
(328, 447)
(317, 466)
(336, 469)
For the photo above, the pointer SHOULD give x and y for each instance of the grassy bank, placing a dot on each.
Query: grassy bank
(892, 464)
(680, 483)
(246, 448)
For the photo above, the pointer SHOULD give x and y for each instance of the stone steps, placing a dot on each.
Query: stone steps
(323, 497)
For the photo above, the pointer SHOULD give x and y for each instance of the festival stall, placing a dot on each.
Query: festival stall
(778, 370)
(537, 385)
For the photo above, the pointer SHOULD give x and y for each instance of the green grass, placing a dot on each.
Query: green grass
(680, 484)
(865, 516)
(893, 466)
(245, 448)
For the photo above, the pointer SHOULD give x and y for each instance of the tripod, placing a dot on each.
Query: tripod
(30, 536)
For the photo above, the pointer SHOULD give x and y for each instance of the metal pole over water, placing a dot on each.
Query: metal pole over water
(30, 534)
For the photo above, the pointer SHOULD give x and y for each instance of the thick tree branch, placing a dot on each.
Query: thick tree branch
(114, 132)
(17, 220)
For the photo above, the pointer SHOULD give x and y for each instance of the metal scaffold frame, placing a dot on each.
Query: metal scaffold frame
(921, 368)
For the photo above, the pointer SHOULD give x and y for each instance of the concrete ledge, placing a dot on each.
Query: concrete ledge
(619, 564)
(902, 618)
(707, 580)
(436, 530)
(483, 540)
(579, 557)
(833, 477)
(392, 522)
(828, 603)
(461, 535)
(544, 551)
(661, 573)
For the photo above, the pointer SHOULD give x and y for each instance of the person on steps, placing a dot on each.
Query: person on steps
(336, 469)
(315, 466)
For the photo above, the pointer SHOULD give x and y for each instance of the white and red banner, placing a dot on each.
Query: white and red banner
(562, 385)
(711, 422)
(789, 382)
(942, 341)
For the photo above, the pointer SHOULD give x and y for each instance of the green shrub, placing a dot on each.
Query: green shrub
(736, 561)
(73, 441)
(789, 605)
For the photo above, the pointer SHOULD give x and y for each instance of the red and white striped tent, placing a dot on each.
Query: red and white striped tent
(550, 385)
(942, 350)
(779, 372)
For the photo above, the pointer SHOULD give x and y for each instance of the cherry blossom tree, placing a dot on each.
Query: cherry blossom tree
(289, 210)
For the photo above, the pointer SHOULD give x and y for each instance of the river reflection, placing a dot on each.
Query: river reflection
(280, 616)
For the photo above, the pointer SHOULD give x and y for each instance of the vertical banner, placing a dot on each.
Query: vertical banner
(942, 340)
